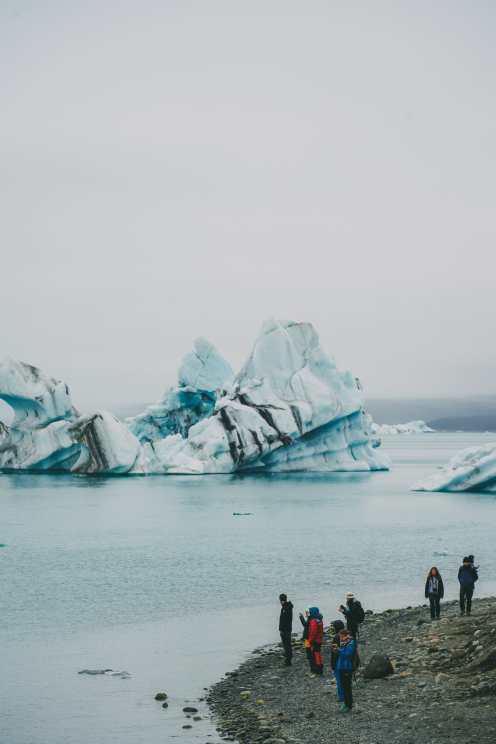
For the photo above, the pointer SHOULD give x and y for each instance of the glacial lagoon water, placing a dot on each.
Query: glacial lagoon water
(158, 577)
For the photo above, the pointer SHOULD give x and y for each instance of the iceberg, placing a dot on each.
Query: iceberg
(202, 378)
(412, 427)
(289, 408)
(106, 445)
(35, 399)
(472, 469)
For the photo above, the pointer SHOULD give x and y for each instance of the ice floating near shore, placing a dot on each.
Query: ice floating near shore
(289, 408)
(412, 427)
(106, 672)
(472, 469)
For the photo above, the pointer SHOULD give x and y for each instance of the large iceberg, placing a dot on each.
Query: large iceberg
(472, 469)
(289, 408)
(412, 427)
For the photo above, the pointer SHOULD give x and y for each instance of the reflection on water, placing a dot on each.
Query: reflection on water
(156, 575)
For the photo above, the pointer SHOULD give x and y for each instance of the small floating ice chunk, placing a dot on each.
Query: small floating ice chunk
(472, 469)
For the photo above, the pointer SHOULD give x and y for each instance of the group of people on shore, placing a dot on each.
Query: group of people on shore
(434, 587)
(345, 658)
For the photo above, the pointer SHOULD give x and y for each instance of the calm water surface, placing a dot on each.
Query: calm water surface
(156, 576)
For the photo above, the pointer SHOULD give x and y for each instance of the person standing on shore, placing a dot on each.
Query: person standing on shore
(434, 592)
(353, 612)
(344, 666)
(304, 620)
(315, 637)
(467, 576)
(286, 627)
(336, 627)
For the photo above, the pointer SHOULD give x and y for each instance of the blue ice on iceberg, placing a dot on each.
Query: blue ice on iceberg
(203, 376)
(289, 408)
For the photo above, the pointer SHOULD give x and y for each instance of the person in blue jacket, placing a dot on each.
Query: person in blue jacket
(344, 666)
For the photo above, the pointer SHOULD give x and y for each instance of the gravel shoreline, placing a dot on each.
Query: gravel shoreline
(443, 688)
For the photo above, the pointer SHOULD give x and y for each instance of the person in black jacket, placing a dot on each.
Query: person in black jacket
(434, 592)
(467, 576)
(286, 627)
(336, 627)
(304, 620)
(353, 613)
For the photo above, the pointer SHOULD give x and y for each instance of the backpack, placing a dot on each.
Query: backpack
(359, 612)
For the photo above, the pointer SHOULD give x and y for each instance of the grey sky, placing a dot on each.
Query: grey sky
(174, 169)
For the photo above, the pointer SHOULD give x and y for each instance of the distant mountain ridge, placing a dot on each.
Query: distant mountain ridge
(446, 414)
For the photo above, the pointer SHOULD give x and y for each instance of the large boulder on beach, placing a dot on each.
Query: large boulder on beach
(378, 667)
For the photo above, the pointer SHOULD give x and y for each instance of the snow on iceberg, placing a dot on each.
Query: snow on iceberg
(204, 368)
(412, 427)
(35, 399)
(472, 469)
(289, 408)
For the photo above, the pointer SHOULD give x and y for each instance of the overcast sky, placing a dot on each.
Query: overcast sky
(175, 169)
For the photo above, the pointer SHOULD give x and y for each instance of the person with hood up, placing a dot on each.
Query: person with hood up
(315, 637)
(434, 592)
(344, 666)
(286, 627)
(467, 576)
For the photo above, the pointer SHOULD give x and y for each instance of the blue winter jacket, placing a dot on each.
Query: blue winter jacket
(345, 657)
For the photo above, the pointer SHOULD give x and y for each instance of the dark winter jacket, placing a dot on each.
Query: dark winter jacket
(286, 618)
(304, 621)
(467, 576)
(353, 614)
(440, 588)
(335, 641)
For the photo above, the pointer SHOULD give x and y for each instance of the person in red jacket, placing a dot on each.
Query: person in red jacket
(315, 637)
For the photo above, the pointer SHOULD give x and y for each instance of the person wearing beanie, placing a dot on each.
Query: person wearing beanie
(467, 576)
(336, 627)
(286, 627)
(344, 666)
(315, 637)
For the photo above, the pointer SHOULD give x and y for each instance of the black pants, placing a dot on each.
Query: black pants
(347, 685)
(435, 608)
(317, 664)
(466, 599)
(309, 653)
(288, 649)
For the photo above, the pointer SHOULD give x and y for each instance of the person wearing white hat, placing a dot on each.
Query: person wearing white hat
(353, 612)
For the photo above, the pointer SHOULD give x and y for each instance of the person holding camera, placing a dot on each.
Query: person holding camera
(353, 613)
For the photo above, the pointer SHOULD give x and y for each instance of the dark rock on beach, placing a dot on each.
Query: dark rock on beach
(378, 666)
(440, 689)
(161, 696)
